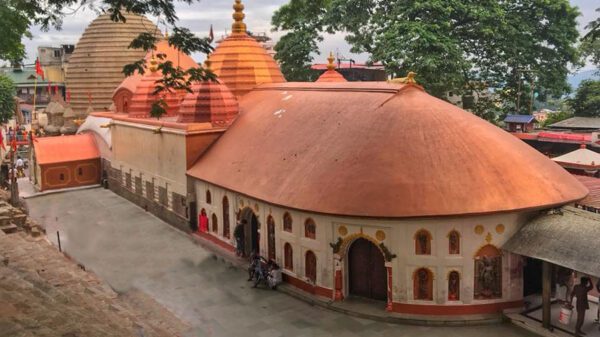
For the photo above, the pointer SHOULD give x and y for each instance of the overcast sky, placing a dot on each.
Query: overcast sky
(199, 16)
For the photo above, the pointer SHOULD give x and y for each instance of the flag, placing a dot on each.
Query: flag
(68, 96)
(2, 142)
(211, 34)
(56, 89)
(38, 68)
(49, 89)
(14, 144)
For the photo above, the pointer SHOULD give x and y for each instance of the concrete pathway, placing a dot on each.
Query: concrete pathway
(130, 248)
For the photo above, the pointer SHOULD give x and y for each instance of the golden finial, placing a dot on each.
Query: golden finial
(409, 79)
(331, 59)
(153, 64)
(238, 26)
(488, 237)
(166, 32)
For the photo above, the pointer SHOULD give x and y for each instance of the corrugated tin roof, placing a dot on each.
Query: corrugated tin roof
(519, 119)
(593, 185)
(380, 150)
(63, 149)
(568, 238)
(578, 123)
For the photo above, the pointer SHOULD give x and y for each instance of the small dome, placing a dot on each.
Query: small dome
(134, 95)
(209, 102)
(241, 62)
(331, 75)
(95, 68)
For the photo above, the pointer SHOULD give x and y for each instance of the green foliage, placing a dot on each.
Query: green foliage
(159, 108)
(586, 102)
(448, 43)
(557, 117)
(7, 98)
(14, 25)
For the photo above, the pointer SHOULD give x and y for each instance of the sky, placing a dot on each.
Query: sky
(199, 16)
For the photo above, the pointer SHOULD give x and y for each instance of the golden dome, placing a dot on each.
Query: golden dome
(331, 75)
(95, 68)
(241, 62)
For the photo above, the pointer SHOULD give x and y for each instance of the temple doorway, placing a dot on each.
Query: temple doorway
(366, 271)
(251, 231)
(532, 277)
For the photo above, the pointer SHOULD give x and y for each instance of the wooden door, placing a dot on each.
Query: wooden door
(367, 272)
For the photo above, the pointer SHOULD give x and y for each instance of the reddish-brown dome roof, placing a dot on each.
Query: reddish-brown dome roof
(142, 86)
(378, 150)
(210, 102)
(241, 62)
(331, 76)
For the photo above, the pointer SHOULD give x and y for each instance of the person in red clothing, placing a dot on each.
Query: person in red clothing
(203, 221)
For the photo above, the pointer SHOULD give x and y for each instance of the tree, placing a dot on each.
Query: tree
(7, 98)
(557, 117)
(14, 25)
(452, 44)
(586, 102)
(590, 43)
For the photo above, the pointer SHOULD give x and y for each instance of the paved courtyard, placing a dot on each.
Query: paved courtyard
(131, 249)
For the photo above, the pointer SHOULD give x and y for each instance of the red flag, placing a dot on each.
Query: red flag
(2, 142)
(14, 144)
(211, 34)
(38, 68)
(49, 89)
(56, 89)
(68, 96)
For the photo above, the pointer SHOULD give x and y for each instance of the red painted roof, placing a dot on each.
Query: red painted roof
(331, 76)
(593, 185)
(377, 149)
(62, 149)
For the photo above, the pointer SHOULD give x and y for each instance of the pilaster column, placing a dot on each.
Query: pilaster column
(339, 281)
(389, 306)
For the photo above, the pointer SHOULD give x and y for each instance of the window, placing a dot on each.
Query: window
(226, 217)
(62, 176)
(310, 267)
(423, 284)
(215, 223)
(163, 198)
(80, 171)
(271, 238)
(454, 286)
(149, 190)
(310, 229)
(287, 222)
(454, 242)
(208, 197)
(488, 273)
(423, 242)
(288, 258)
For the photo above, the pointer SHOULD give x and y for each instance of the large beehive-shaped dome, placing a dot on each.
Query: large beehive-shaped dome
(95, 68)
(241, 62)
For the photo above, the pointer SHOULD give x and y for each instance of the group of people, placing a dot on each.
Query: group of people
(262, 271)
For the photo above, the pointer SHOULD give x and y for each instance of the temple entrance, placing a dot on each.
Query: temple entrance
(532, 277)
(251, 231)
(366, 270)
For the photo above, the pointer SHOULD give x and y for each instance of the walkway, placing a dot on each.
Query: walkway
(130, 249)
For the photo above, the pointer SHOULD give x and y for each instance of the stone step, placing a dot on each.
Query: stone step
(9, 228)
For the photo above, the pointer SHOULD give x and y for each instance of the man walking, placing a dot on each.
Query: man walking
(581, 291)
(238, 234)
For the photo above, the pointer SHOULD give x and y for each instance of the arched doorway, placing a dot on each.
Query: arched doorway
(366, 270)
(251, 235)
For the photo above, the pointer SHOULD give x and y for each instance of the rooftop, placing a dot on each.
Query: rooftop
(54, 150)
(578, 123)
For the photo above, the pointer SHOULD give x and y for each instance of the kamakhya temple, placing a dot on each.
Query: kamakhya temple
(374, 189)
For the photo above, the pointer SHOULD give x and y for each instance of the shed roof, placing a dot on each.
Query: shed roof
(567, 238)
(593, 185)
(578, 123)
(62, 149)
(376, 149)
(519, 119)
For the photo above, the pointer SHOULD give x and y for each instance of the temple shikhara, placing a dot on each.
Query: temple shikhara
(367, 189)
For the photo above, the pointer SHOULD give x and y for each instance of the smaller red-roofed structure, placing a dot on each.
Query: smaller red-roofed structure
(66, 161)
(592, 201)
